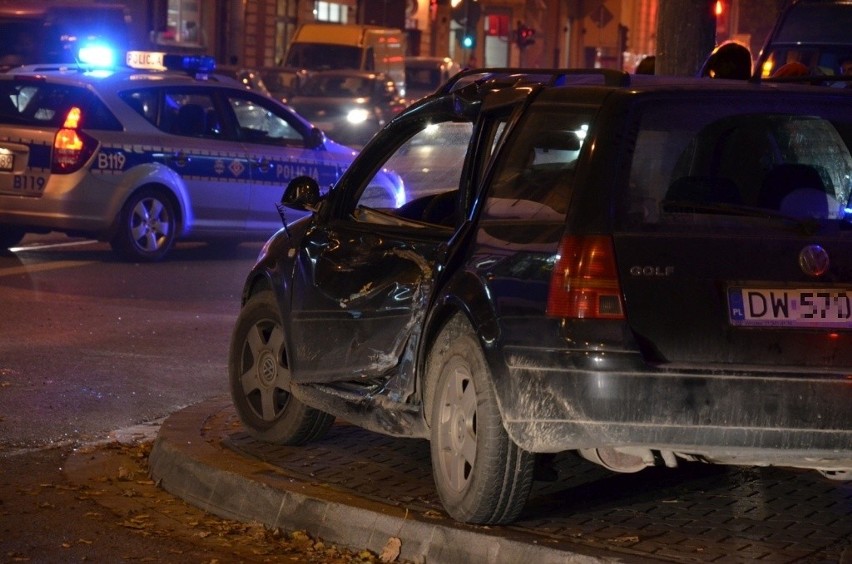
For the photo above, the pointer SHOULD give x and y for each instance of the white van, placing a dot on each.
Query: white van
(328, 46)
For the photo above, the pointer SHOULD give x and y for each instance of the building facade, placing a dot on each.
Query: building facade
(519, 33)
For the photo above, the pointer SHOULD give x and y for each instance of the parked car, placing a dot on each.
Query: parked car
(274, 82)
(423, 75)
(643, 270)
(814, 33)
(143, 158)
(349, 105)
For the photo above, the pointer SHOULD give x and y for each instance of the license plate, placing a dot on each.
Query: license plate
(7, 161)
(790, 307)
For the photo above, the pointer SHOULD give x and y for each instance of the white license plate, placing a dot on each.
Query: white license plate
(790, 307)
(7, 161)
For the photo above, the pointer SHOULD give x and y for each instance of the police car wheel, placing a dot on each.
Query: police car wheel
(146, 226)
(10, 236)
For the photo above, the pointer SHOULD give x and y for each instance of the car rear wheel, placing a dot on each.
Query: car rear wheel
(146, 226)
(10, 236)
(480, 474)
(259, 376)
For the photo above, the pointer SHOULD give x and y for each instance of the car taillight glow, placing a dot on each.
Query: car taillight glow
(71, 147)
(584, 283)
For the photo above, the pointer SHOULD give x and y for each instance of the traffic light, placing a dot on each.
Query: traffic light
(468, 40)
(623, 37)
(524, 36)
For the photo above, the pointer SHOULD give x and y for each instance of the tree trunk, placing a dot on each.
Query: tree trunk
(686, 35)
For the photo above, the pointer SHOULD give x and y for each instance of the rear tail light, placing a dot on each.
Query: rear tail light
(584, 284)
(71, 147)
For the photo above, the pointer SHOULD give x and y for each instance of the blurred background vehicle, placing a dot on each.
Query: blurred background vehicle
(35, 34)
(423, 75)
(322, 46)
(275, 82)
(815, 33)
(348, 105)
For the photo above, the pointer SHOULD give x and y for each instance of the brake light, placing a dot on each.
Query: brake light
(584, 283)
(71, 147)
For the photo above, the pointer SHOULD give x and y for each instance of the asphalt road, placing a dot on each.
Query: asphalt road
(89, 344)
(90, 348)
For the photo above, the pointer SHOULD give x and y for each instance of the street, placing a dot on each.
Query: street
(90, 346)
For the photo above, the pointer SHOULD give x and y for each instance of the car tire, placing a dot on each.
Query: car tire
(10, 236)
(260, 379)
(146, 226)
(480, 474)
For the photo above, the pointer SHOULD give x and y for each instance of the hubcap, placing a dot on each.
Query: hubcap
(149, 224)
(457, 427)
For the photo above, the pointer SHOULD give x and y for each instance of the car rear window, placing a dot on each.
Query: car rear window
(533, 179)
(701, 157)
(38, 103)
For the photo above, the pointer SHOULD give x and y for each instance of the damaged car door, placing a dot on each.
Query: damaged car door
(365, 272)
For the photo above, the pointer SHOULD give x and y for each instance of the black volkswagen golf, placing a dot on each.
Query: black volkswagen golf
(641, 270)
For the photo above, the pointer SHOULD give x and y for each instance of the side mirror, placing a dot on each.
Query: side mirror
(302, 193)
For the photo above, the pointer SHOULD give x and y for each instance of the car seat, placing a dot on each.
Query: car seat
(191, 121)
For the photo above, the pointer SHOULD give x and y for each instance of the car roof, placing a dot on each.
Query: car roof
(347, 72)
(610, 80)
(86, 76)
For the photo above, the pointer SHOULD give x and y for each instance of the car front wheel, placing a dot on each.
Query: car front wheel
(480, 474)
(259, 376)
(146, 226)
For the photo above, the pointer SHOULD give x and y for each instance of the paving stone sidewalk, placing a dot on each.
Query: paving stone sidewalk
(360, 488)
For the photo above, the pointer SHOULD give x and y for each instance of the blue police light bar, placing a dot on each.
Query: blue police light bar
(97, 55)
(152, 60)
(198, 64)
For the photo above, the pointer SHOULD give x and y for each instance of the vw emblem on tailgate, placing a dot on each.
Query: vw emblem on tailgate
(813, 260)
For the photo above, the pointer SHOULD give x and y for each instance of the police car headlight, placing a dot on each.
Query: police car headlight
(358, 115)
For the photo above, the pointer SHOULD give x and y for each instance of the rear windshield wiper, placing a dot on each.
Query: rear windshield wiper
(806, 224)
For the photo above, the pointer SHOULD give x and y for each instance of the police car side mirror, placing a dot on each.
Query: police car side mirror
(316, 138)
(302, 193)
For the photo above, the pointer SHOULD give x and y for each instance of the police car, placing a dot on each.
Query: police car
(143, 155)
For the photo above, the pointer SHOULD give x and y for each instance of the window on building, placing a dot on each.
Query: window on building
(330, 12)
(183, 24)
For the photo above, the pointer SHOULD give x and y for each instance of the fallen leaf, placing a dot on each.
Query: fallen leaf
(391, 550)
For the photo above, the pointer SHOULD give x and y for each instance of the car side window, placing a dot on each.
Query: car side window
(420, 181)
(48, 104)
(259, 122)
(144, 102)
(190, 115)
(534, 171)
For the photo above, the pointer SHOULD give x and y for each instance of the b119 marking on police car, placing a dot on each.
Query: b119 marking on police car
(111, 161)
(790, 307)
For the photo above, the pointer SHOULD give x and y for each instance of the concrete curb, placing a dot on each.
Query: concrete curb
(201, 471)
